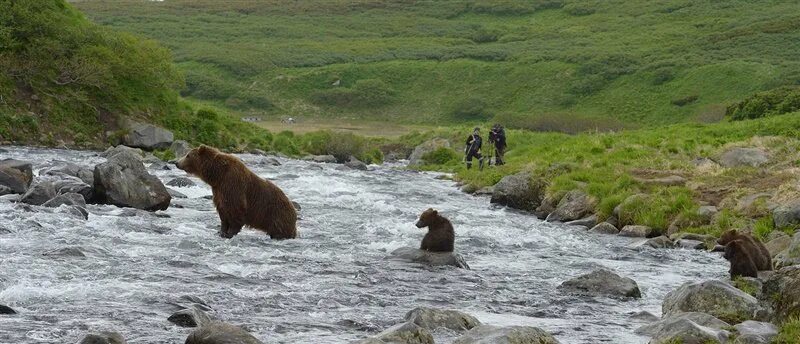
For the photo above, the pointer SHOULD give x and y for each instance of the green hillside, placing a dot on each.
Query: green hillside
(537, 64)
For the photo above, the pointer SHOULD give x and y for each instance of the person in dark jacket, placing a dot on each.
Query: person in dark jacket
(497, 137)
(473, 149)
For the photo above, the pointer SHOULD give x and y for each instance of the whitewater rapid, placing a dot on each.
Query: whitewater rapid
(334, 284)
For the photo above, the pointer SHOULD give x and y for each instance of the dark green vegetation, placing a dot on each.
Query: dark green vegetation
(567, 65)
(611, 167)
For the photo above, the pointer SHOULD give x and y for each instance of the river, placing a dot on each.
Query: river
(334, 284)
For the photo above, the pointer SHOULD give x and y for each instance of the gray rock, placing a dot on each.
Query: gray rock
(575, 205)
(270, 162)
(740, 157)
(64, 168)
(707, 212)
(406, 333)
(688, 332)
(485, 191)
(431, 319)
(713, 297)
(112, 151)
(791, 255)
(147, 136)
(469, 189)
(605, 228)
(65, 252)
(430, 258)
(636, 231)
(701, 319)
(546, 207)
(15, 179)
(356, 164)
(190, 301)
(416, 156)
(787, 215)
(519, 191)
(704, 163)
(175, 194)
(68, 199)
(180, 148)
(7, 310)
(781, 291)
(39, 193)
(257, 151)
(603, 282)
(181, 182)
(660, 242)
(755, 332)
(221, 333)
(326, 159)
(123, 181)
(488, 334)
(23, 166)
(644, 316)
(190, 317)
(103, 338)
(160, 166)
(778, 245)
(588, 222)
(5, 190)
(297, 206)
(70, 184)
(664, 181)
(691, 244)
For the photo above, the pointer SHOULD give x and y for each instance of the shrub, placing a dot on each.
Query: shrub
(790, 332)
(344, 145)
(470, 109)
(773, 102)
(285, 145)
(663, 75)
(372, 156)
(441, 156)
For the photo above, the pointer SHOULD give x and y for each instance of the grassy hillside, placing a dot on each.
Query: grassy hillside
(537, 64)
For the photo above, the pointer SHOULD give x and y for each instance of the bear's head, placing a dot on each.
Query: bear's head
(732, 249)
(727, 237)
(427, 218)
(198, 160)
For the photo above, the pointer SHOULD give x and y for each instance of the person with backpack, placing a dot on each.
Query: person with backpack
(473, 149)
(497, 137)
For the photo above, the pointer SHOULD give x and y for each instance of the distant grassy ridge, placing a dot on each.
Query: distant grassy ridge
(532, 64)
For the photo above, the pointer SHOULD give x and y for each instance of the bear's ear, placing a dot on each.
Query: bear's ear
(205, 150)
(433, 211)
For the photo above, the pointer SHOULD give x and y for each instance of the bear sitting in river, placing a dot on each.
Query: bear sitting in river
(440, 236)
(240, 196)
(756, 250)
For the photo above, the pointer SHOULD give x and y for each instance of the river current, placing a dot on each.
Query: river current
(334, 284)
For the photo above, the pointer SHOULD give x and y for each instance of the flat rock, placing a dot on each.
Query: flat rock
(664, 181)
(605, 228)
(713, 297)
(147, 136)
(489, 334)
(689, 332)
(636, 231)
(702, 319)
(741, 157)
(603, 282)
(430, 258)
(755, 332)
(431, 319)
(221, 333)
(406, 333)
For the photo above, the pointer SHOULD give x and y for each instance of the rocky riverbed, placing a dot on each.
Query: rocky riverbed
(128, 270)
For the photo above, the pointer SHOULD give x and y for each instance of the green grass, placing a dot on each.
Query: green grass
(566, 65)
(790, 332)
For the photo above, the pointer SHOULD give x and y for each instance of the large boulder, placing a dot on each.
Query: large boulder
(488, 334)
(180, 148)
(41, 191)
(75, 201)
(702, 319)
(778, 244)
(103, 338)
(64, 168)
(123, 181)
(575, 205)
(147, 136)
(755, 332)
(406, 333)
(604, 228)
(713, 297)
(603, 282)
(190, 317)
(16, 175)
(430, 258)
(790, 255)
(787, 215)
(782, 291)
(519, 191)
(688, 332)
(431, 319)
(112, 151)
(741, 157)
(221, 333)
(69, 184)
(429, 146)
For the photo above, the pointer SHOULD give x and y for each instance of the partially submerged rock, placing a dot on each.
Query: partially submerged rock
(406, 333)
(7, 310)
(688, 332)
(40, 192)
(713, 297)
(605, 228)
(431, 319)
(356, 164)
(189, 317)
(603, 282)
(575, 205)
(123, 181)
(488, 334)
(181, 182)
(103, 338)
(430, 258)
(221, 333)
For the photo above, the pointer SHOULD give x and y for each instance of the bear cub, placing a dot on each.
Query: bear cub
(240, 196)
(440, 236)
(756, 250)
(739, 253)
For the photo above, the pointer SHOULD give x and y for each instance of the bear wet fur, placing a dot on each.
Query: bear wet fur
(740, 253)
(240, 196)
(757, 251)
(440, 236)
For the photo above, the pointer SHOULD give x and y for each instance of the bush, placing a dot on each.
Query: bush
(470, 109)
(344, 145)
(441, 156)
(773, 102)
(285, 145)
(372, 156)
(663, 75)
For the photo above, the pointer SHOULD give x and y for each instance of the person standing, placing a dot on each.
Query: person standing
(497, 137)
(473, 149)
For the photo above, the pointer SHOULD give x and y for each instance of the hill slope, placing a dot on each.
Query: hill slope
(531, 63)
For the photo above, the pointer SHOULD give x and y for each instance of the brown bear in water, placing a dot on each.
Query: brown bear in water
(440, 234)
(740, 254)
(757, 251)
(240, 196)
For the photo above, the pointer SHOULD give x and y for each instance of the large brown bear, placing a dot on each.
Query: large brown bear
(440, 236)
(757, 251)
(740, 254)
(240, 196)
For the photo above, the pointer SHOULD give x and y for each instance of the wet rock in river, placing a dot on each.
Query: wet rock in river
(636, 231)
(713, 297)
(190, 317)
(486, 334)
(588, 222)
(431, 319)
(221, 333)
(430, 258)
(123, 181)
(575, 205)
(406, 333)
(39, 193)
(603, 282)
(698, 318)
(7, 310)
(605, 228)
(181, 182)
(103, 338)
